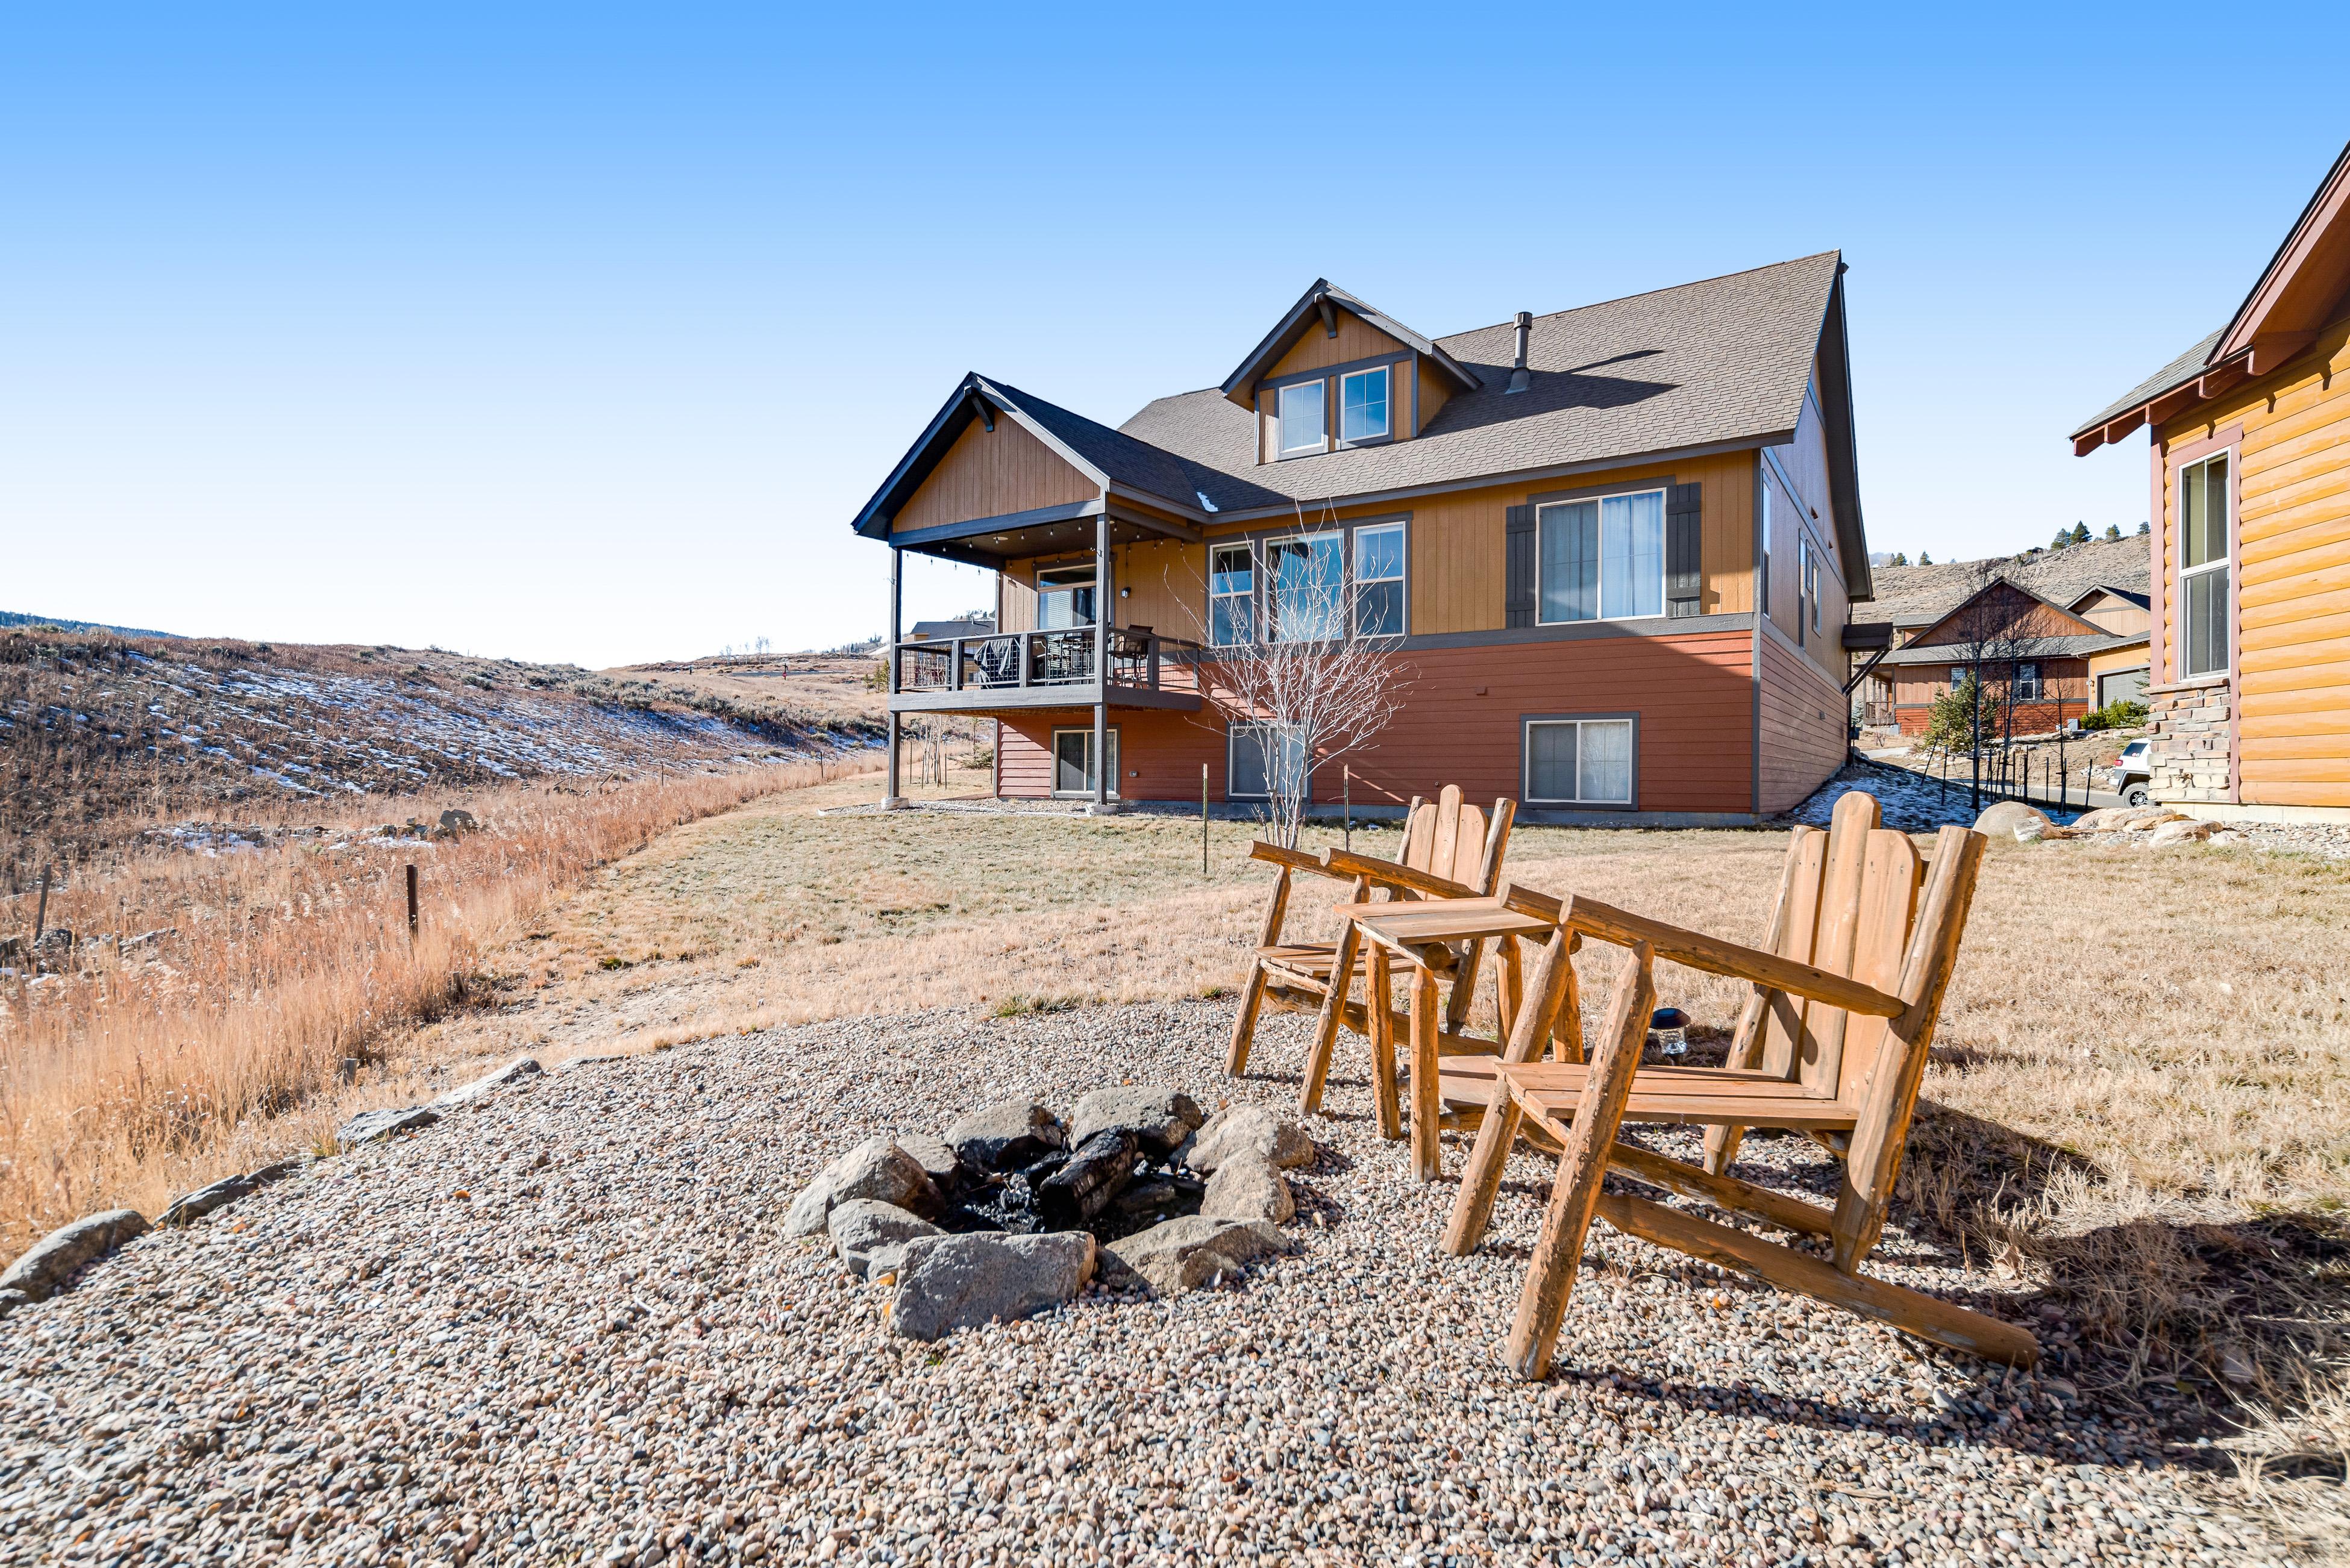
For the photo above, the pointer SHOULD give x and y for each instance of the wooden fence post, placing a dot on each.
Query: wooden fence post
(412, 901)
(1204, 819)
(41, 916)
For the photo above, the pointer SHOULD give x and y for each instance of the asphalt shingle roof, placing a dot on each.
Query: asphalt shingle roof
(2044, 646)
(2178, 373)
(1916, 596)
(1724, 360)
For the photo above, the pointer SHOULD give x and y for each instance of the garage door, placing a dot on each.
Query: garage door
(2122, 686)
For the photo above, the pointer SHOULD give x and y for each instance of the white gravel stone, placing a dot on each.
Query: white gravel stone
(608, 1348)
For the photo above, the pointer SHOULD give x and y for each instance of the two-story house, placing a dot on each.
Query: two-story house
(1609, 551)
(2248, 485)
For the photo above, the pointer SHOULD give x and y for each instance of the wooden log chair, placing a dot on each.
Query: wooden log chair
(1841, 1016)
(1449, 850)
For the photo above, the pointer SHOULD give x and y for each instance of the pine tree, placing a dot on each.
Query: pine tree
(2064, 537)
(2142, 530)
(1925, 560)
(1900, 558)
(2113, 530)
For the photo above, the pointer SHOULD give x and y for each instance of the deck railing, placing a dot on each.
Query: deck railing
(1028, 660)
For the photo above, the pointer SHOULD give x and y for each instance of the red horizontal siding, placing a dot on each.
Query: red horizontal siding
(1460, 726)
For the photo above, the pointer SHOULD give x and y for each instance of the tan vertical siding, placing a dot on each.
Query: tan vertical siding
(1357, 339)
(989, 475)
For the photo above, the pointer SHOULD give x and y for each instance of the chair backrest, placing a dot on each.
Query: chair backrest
(1848, 903)
(1447, 837)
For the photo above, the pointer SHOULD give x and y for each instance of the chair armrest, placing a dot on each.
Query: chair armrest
(1295, 860)
(1390, 874)
(1694, 950)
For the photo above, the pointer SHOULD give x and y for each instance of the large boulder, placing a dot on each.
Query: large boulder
(1245, 1133)
(191, 1207)
(2184, 831)
(2114, 818)
(374, 1127)
(1097, 1171)
(1248, 1190)
(519, 1068)
(947, 1282)
(1161, 1118)
(54, 1259)
(1187, 1252)
(1010, 1136)
(2001, 818)
(876, 1168)
(932, 1153)
(871, 1236)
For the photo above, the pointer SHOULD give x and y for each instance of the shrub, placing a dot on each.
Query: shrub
(2121, 714)
(1951, 725)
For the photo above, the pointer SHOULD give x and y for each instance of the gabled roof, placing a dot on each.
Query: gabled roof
(1709, 366)
(2089, 628)
(1317, 307)
(2070, 646)
(2303, 288)
(2138, 596)
(1111, 458)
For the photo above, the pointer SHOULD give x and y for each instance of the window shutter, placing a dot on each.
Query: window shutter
(1518, 598)
(1684, 551)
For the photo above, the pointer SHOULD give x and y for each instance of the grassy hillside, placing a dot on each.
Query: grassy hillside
(101, 734)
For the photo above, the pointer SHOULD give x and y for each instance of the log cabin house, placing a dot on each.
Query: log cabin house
(1611, 549)
(2249, 490)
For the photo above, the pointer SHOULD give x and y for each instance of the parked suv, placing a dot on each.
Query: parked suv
(2130, 774)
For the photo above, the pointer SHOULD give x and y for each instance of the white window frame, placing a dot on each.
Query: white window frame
(1281, 442)
(2226, 562)
(1526, 760)
(1092, 582)
(1762, 582)
(2028, 682)
(1403, 580)
(1386, 403)
(1663, 606)
(1053, 756)
(1231, 739)
(1247, 547)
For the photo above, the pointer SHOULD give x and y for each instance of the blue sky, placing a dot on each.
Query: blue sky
(580, 333)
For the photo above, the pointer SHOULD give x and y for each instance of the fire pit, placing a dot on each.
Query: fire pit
(1013, 1209)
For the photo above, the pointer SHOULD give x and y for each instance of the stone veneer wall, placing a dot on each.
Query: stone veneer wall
(2188, 755)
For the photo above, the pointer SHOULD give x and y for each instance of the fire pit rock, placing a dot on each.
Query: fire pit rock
(871, 1236)
(1197, 1251)
(947, 1282)
(1249, 1188)
(876, 1168)
(1246, 1133)
(1010, 1136)
(1161, 1118)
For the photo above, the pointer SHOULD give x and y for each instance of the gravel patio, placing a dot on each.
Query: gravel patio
(564, 1325)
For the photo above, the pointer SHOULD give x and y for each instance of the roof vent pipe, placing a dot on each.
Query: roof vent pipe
(1520, 377)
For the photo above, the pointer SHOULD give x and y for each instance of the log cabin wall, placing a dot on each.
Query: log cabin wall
(2284, 705)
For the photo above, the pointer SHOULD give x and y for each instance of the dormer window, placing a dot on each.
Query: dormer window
(1304, 426)
(1363, 406)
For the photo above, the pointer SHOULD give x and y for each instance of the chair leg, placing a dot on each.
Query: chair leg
(1722, 1147)
(1245, 1024)
(1509, 984)
(1550, 1279)
(1427, 1152)
(1333, 1014)
(1380, 1005)
(1481, 1181)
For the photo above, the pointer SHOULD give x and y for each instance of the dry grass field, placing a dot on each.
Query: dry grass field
(2139, 1102)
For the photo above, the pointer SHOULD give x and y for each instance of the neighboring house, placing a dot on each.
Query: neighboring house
(948, 630)
(2093, 630)
(1611, 549)
(2248, 484)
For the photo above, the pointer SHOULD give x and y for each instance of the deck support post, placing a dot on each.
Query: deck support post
(891, 798)
(1102, 603)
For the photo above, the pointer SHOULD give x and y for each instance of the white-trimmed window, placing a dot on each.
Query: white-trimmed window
(1232, 595)
(1602, 559)
(1305, 587)
(1065, 597)
(1073, 761)
(2203, 561)
(1259, 754)
(1379, 594)
(1363, 405)
(1763, 577)
(2027, 683)
(1812, 585)
(1304, 421)
(1578, 762)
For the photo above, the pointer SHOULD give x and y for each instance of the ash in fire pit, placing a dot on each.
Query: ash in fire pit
(1013, 1209)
